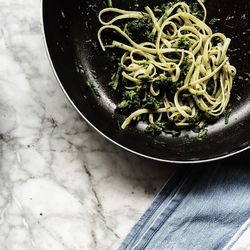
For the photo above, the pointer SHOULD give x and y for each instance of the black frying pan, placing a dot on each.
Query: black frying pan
(70, 30)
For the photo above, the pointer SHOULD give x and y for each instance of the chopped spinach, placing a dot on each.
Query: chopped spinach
(238, 98)
(130, 100)
(163, 80)
(159, 127)
(151, 102)
(227, 114)
(93, 88)
(155, 128)
(202, 134)
(185, 67)
(166, 84)
(160, 10)
(214, 21)
(182, 43)
(140, 30)
(196, 10)
(115, 78)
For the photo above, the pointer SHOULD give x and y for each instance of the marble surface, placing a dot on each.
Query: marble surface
(62, 186)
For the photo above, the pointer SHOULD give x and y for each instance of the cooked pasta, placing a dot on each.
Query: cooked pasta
(177, 64)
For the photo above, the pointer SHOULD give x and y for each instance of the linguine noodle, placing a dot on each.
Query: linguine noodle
(208, 79)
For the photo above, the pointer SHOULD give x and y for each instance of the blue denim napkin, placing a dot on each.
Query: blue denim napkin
(205, 207)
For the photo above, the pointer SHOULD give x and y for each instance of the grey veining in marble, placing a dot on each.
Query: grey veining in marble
(62, 186)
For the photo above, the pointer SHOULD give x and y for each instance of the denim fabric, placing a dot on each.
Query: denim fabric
(198, 208)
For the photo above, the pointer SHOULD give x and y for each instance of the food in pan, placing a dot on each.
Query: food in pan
(174, 72)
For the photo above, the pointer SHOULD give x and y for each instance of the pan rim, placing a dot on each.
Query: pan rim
(220, 157)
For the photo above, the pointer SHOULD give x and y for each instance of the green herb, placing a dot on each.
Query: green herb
(145, 79)
(200, 121)
(238, 98)
(158, 127)
(160, 10)
(186, 95)
(167, 84)
(151, 102)
(202, 134)
(174, 133)
(196, 10)
(79, 68)
(213, 21)
(140, 30)
(109, 2)
(182, 43)
(130, 100)
(185, 66)
(163, 80)
(227, 114)
(93, 88)
(115, 78)
(155, 128)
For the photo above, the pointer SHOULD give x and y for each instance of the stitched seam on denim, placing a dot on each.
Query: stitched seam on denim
(211, 176)
(145, 217)
(168, 214)
(149, 237)
(168, 190)
(156, 204)
(238, 234)
(159, 211)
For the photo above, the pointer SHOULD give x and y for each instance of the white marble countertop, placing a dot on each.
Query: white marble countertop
(62, 186)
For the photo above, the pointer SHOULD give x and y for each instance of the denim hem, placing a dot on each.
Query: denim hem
(168, 193)
(183, 188)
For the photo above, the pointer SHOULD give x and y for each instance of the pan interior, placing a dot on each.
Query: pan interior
(70, 30)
